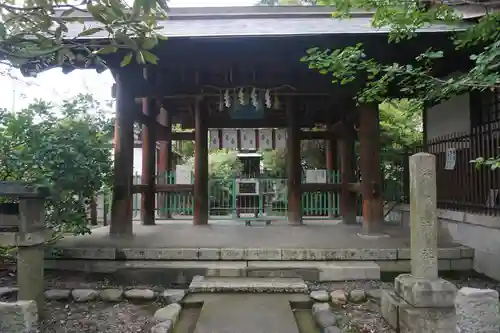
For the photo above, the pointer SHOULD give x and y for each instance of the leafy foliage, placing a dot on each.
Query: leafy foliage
(40, 29)
(275, 162)
(404, 18)
(224, 163)
(66, 148)
(351, 64)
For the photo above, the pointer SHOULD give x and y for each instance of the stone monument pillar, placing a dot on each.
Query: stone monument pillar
(26, 231)
(422, 302)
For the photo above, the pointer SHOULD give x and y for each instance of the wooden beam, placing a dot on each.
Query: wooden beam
(175, 87)
(164, 188)
(150, 110)
(324, 188)
(294, 165)
(165, 160)
(371, 175)
(121, 205)
(200, 166)
(345, 147)
(332, 166)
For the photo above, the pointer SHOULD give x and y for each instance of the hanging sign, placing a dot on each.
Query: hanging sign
(280, 135)
(230, 138)
(451, 158)
(265, 139)
(247, 138)
(316, 176)
(238, 111)
(183, 174)
(492, 199)
(214, 139)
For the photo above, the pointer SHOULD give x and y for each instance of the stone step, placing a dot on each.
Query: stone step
(186, 270)
(318, 271)
(201, 284)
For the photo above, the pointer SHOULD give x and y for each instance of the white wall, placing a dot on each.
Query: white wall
(480, 232)
(448, 117)
(137, 161)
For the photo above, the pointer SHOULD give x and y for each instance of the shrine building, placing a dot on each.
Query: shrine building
(233, 78)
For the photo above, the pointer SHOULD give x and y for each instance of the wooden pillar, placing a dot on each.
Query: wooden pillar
(165, 162)
(371, 174)
(347, 175)
(331, 166)
(121, 205)
(148, 162)
(200, 165)
(294, 165)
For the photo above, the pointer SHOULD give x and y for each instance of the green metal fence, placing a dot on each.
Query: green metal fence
(225, 202)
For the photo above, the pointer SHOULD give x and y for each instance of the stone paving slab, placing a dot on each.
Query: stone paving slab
(202, 284)
(186, 236)
(247, 254)
(247, 313)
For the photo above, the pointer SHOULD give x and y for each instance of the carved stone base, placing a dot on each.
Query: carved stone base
(405, 318)
(424, 293)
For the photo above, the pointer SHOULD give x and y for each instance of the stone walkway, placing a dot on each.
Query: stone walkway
(246, 313)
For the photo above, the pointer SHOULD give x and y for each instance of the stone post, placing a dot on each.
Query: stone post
(477, 311)
(421, 301)
(30, 251)
(28, 235)
(423, 218)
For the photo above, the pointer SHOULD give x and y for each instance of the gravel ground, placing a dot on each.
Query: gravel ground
(126, 317)
(92, 317)
(366, 317)
(97, 317)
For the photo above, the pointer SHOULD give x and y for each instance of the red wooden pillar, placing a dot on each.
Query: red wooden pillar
(371, 174)
(165, 161)
(148, 162)
(331, 166)
(121, 206)
(347, 175)
(294, 165)
(200, 165)
(331, 154)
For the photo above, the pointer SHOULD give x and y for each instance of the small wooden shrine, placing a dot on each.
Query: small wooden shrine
(239, 68)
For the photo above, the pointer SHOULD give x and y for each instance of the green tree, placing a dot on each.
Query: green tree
(67, 148)
(351, 65)
(39, 30)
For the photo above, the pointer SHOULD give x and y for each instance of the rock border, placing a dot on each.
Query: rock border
(340, 297)
(323, 313)
(110, 295)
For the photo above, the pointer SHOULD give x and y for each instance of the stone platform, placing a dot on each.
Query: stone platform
(314, 251)
(201, 284)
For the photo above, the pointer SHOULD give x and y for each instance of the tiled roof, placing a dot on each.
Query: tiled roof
(258, 21)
